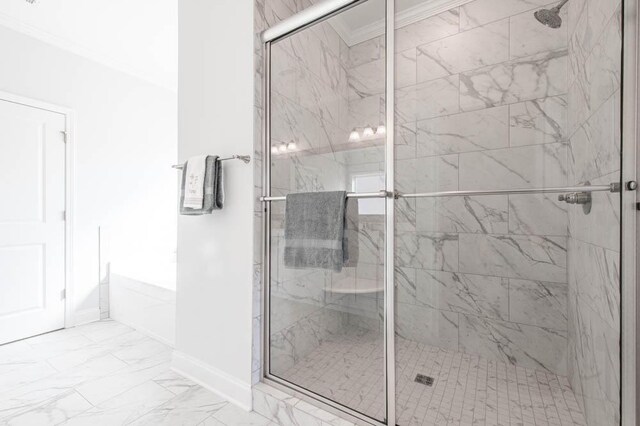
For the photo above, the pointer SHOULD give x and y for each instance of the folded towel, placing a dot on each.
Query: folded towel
(350, 246)
(314, 230)
(213, 188)
(194, 184)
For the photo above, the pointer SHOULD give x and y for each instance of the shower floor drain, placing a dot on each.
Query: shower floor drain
(424, 380)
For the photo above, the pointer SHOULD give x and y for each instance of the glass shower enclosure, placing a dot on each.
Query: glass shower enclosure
(480, 142)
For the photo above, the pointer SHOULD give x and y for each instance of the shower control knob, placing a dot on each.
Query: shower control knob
(575, 198)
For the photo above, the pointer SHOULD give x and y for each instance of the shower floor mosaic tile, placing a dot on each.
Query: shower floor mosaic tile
(467, 389)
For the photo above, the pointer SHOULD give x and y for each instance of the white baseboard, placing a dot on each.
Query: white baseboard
(213, 379)
(85, 316)
(146, 331)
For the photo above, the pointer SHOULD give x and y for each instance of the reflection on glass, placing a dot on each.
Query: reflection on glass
(326, 327)
(497, 318)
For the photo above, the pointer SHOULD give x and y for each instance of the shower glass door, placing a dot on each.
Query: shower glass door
(502, 237)
(328, 133)
(507, 303)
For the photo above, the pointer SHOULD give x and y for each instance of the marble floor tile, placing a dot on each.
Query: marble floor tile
(188, 408)
(104, 374)
(233, 415)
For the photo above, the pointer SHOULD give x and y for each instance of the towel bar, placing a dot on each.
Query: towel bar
(244, 158)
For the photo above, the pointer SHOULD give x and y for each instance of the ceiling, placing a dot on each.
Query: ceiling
(137, 37)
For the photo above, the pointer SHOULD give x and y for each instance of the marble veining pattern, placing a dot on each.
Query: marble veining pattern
(104, 373)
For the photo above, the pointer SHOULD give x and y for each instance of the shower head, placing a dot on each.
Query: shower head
(550, 17)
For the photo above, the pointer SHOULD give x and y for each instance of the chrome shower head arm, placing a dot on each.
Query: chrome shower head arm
(558, 7)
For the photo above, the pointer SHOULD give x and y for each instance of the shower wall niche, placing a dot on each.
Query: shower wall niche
(517, 293)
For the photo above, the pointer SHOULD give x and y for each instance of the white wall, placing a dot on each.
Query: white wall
(138, 37)
(214, 288)
(125, 142)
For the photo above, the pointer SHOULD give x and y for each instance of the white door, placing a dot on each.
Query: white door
(32, 230)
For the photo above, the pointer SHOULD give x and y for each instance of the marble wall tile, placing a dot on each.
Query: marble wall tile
(463, 293)
(486, 45)
(332, 72)
(367, 51)
(518, 344)
(427, 30)
(510, 168)
(405, 214)
(538, 303)
(429, 326)
(600, 14)
(436, 173)
(405, 71)
(595, 147)
(290, 122)
(427, 100)
(405, 141)
(514, 256)
(367, 79)
(406, 285)
(318, 97)
(574, 12)
(528, 37)
(580, 40)
(579, 102)
(485, 214)
(539, 121)
(594, 363)
(595, 277)
(469, 131)
(425, 250)
(330, 39)
(365, 111)
(600, 226)
(481, 12)
(518, 80)
(604, 64)
(284, 74)
(537, 214)
(427, 174)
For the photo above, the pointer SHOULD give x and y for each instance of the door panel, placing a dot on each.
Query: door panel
(32, 239)
(327, 134)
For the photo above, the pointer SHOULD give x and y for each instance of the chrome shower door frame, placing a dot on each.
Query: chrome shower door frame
(310, 16)
(630, 240)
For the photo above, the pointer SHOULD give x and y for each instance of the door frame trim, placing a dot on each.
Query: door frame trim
(69, 171)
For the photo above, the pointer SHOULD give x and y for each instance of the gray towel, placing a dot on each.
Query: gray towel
(350, 245)
(314, 230)
(213, 190)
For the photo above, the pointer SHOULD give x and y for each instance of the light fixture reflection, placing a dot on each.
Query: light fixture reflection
(381, 130)
(291, 146)
(354, 136)
(367, 132)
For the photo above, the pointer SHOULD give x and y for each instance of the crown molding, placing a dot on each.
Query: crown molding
(75, 48)
(406, 17)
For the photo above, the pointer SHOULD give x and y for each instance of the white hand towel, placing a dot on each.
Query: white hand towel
(194, 185)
